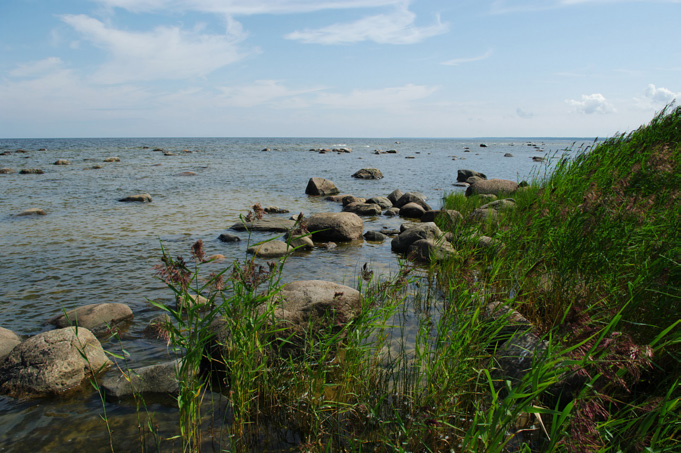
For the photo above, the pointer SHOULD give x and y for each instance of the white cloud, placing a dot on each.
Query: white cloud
(458, 61)
(513, 6)
(36, 68)
(263, 92)
(246, 7)
(660, 95)
(592, 103)
(163, 53)
(396, 27)
(376, 99)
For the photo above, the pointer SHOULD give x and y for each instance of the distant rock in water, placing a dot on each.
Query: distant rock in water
(6, 171)
(140, 198)
(226, 237)
(112, 159)
(31, 171)
(32, 211)
(187, 173)
(62, 162)
(368, 173)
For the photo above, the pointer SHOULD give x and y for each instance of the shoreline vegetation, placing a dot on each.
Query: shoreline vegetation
(550, 321)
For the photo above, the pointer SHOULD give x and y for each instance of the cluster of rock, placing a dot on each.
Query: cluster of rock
(331, 150)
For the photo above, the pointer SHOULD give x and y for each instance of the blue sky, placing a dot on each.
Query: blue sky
(335, 68)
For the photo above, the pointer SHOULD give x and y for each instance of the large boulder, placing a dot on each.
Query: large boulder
(52, 362)
(493, 186)
(305, 304)
(8, 340)
(160, 378)
(395, 195)
(139, 198)
(363, 209)
(335, 226)
(321, 186)
(411, 234)
(463, 175)
(275, 224)
(368, 173)
(100, 319)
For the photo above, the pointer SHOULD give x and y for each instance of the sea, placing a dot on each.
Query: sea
(92, 248)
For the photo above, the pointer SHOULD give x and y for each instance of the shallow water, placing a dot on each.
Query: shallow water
(90, 248)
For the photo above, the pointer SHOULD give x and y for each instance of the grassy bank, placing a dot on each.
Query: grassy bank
(589, 256)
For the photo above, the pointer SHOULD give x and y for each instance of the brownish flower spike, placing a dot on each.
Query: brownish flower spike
(197, 251)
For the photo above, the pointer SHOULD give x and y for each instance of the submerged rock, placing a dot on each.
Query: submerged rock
(139, 198)
(160, 378)
(226, 237)
(32, 211)
(52, 362)
(31, 171)
(100, 319)
(265, 224)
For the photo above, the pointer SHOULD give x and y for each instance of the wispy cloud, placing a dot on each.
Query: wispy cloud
(458, 61)
(36, 68)
(514, 6)
(396, 27)
(245, 7)
(376, 99)
(592, 103)
(163, 53)
(661, 95)
(262, 92)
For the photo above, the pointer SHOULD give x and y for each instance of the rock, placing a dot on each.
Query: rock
(412, 210)
(157, 329)
(383, 202)
(336, 198)
(276, 210)
(413, 233)
(316, 304)
(428, 250)
(52, 362)
(216, 258)
(451, 217)
(112, 159)
(321, 186)
(270, 249)
(430, 216)
(363, 209)
(335, 226)
(538, 158)
(392, 212)
(395, 195)
(508, 155)
(512, 322)
(226, 237)
(159, 378)
(487, 197)
(368, 173)
(139, 198)
(413, 197)
(8, 340)
(349, 199)
(32, 211)
(62, 162)
(500, 205)
(299, 240)
(328, 245)
(187, 173)
(189, 300)
(375, 236)
(390, 231)
(391, 151)
(31, 171)
(100, 319)
(6, 171)
(482, 145)
(514, 359)
(493, 186)
(463, 175)
(277, 225)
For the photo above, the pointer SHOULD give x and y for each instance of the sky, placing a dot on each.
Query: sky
(335, 68)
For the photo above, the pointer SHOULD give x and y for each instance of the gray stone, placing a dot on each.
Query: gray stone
(226, 237)
(31, 171)
(139, 198)
(494, 186)
(321, 186)
(8, 340)
(265, 224)
(190, 300)
(52, 362)
(112, 159)
(363, 209)
(428, 250)
(160, 378)
(395, 195)
(62, 162)
(463, 175)
(413, 233)
(383, 202)
(335, 226)
(349, 199)
(412, 210)
(100, 319)
(368, 173)
(270, 249)
(6, 171)
(392, 212)
(374, 236)
(299, 240)
(413, 197)
(32, 211)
